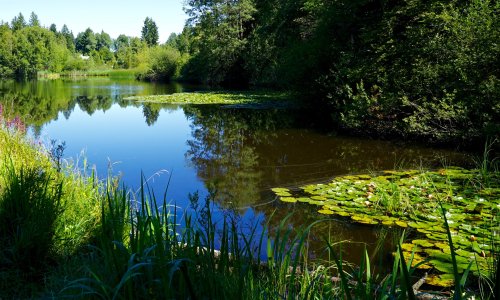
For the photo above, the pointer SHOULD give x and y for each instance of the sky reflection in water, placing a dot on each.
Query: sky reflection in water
(236, 154)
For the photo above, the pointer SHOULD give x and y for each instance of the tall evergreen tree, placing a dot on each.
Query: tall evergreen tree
(18, 22)
(86, 41)
(34, 21)
(70, 38)
(103, 40)
(150, 32)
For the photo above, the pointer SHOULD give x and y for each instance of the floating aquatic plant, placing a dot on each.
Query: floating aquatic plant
(410, 199)
(251, 99)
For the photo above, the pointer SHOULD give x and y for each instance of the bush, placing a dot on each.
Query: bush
(158, 64)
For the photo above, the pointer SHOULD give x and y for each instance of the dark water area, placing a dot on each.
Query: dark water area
(234, 154)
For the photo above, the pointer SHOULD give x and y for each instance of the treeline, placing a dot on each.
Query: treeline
(27, 48)
(425, 68)
(414, 68)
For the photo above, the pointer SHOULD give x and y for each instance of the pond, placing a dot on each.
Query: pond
(235, 154)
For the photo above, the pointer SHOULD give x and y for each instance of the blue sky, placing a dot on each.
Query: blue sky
(113, 16)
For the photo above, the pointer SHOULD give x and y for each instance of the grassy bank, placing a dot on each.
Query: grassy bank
(66, 234)
(106, 72)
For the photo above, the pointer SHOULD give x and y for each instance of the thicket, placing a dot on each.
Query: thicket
(428, 69)
(411, 69)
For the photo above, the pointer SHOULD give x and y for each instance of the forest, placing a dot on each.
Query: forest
(386, 68)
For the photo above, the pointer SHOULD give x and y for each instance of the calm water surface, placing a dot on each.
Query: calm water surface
(236, 154)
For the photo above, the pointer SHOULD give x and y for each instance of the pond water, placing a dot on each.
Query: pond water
(236, 154)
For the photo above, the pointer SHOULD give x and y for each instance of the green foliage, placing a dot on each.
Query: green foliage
(150, 32)
(68, 36)
(220, 30)
(432, 61)
(30, 205)
(6, 56)
(34, 21)
(18, 22)
(426, 69)
(158, 63)
(86, 42)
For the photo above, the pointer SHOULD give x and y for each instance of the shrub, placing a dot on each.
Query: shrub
(158, 64)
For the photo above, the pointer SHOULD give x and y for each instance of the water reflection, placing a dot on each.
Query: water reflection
(39, 102)
(236, 154)
(223, 149)
(243, 153)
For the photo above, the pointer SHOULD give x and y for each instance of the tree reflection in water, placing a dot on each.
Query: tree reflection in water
(223, 149)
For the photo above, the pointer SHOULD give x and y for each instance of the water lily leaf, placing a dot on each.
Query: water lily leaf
(304, 199)
(442, 245)
(465, 253)
(442, 266)
(388, 222)
(401, 223)
(423, 243)
(316, 202)
(475, 247)
(342, 213)
(284, 194)
(288, 199)
(437, 236)
(408, 247)
(280, 190)
(319, 198)
(417, 259)
(417, 225)
(364, 219)
(325, 212)
(443, 280)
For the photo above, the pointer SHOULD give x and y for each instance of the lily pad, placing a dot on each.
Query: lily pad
(280, 190)
(364, 219)
(443, 280)
(288, 199)
(342, 213)
(423, 243)
(401, 223)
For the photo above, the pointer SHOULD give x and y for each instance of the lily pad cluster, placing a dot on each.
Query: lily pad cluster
(218, 97)
(411, 199)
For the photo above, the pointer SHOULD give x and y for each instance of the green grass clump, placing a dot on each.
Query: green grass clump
(30, 206)
(46, 216)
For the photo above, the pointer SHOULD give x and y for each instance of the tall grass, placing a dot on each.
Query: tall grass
(29, 208)
(142, 251)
